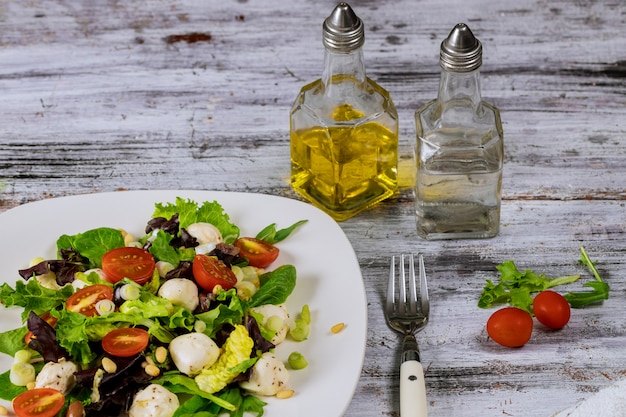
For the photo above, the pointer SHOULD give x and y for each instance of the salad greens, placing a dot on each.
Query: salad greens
(517, 288)
(227, 318)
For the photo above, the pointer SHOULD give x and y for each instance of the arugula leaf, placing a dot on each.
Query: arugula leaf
(270, 235)
(600, 288)
(517, 288)
(189, 212)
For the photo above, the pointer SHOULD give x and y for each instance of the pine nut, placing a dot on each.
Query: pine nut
(108, 365)
(30, 385)
(3, 411)
(337, 328)
(152, 370)
(285, 393)
(160, 354)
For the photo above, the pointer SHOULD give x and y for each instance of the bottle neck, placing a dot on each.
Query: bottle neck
(460, 88)
(341, 68)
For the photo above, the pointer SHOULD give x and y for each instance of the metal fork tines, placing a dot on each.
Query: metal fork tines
(407, 310)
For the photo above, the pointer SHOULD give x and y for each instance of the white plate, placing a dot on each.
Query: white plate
(329, 278)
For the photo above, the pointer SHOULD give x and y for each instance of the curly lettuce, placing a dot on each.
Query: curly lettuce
(234, 360)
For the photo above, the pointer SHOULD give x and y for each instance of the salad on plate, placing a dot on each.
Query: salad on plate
(182, 320)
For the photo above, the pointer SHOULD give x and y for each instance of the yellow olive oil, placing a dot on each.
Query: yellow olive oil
(344, 169)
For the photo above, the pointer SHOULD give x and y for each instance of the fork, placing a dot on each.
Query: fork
(407, 314)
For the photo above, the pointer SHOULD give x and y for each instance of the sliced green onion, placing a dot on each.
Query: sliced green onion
(21, 374)
(300, 331)
(297, 361)
(250, 273)
(274, 323)
(104, 307)
(163, 268)
(306, 314)
(245, 289)
(22, 356)
(199, 326)
(130, 292)
(238, 272)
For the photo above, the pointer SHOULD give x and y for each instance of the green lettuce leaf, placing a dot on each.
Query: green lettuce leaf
(33, 297)
(93, 244)
(229, 311)
(13, 340)
(189, 212)
(276, 286)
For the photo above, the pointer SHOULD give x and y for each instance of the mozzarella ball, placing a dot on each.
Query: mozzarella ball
(57, 375)
(268, 311)
(180, 291)
(154, 401)
(205, 233)
(193, 351)
(269, 375)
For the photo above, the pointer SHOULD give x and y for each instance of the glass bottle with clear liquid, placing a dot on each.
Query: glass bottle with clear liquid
(459, 150)
(344, 128)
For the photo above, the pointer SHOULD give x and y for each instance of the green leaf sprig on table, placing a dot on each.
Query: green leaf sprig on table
(517, 288)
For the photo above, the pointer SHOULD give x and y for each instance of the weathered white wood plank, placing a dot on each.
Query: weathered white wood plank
(97, 96)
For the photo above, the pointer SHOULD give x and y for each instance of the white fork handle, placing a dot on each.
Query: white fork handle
(412, 390)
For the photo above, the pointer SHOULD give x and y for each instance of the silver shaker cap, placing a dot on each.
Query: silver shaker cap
(343, 30)
(461, 51)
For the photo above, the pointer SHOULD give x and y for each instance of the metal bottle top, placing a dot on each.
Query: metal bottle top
(461, 51)
(343, 30)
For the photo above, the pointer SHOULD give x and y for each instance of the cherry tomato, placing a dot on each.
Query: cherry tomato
(258, 253)
(125, 341)
(209, 272)
(510, 327)
(38, 402)
(128, 262)
(551, 309)
(84, 300)
(52, 321)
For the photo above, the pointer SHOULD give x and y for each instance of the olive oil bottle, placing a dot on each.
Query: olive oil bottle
(344, 128)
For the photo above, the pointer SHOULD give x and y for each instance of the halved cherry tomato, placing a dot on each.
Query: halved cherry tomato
(551, 309)
(258, 253)
(209, 272)
(84, 300)
(128, 262)
(48, 318)
(38, 402)
(510, 327)
(125, 341)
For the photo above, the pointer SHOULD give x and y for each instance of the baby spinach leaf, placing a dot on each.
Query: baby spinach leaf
(276, 286)
(270, 235)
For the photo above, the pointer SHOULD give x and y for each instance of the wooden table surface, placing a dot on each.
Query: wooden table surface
(172, 94)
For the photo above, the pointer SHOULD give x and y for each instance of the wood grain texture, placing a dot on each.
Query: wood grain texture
(173, 94)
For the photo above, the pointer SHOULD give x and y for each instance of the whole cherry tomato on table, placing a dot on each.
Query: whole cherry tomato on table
(551, 309)
(510, 327)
